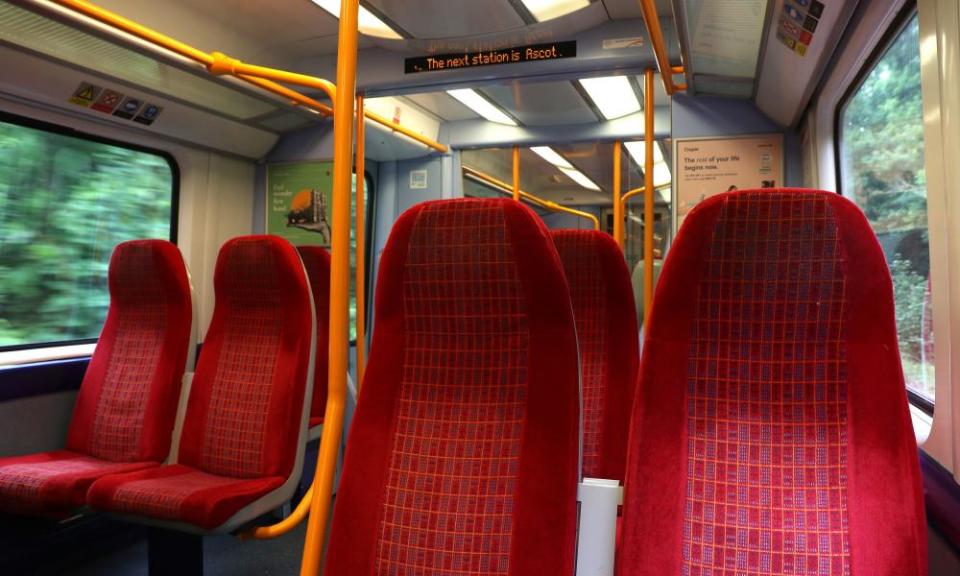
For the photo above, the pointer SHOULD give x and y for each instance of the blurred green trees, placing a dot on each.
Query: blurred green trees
(65, 202)
(883, 165)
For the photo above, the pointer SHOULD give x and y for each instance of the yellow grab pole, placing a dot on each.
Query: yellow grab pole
(483, 177)
(649, 143)
(652, 20)
(629, 195)
(516, 173)
(339, 284)
(285, 525)
(361, 233)
(617, 204)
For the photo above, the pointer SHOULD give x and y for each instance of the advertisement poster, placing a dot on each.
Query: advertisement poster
(299, 202)
(708, 166)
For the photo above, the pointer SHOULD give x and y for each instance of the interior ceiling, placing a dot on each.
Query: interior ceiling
(539, 177)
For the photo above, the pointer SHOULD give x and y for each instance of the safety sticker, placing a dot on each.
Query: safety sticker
(798, 24)
(129, 108)
(107, 102)
(149, 114)
(85, 94)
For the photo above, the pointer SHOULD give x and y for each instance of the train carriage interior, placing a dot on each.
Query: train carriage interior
(487, 288)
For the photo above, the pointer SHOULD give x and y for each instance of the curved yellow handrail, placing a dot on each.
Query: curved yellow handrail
(652, 21)
(263, 79)
(507, 188)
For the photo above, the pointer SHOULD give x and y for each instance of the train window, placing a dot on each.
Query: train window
(65, 201)
(882, 170)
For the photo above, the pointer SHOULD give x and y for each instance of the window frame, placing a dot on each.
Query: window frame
(44, 126)
(907, 13)
(369, 187)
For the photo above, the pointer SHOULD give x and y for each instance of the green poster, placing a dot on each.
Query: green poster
(300, 201)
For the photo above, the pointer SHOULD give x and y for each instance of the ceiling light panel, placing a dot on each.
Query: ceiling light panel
(580, 178)
(544, 10)
(367, 22)
(612, 95)
(474, 101)
(638, 150)
(551, 156)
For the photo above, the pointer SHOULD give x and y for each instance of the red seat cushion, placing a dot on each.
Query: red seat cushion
(125, 410)
(602, 298)
(53, 482)
(463, 453)
(771, 434)
(179, 493)
(316, 261)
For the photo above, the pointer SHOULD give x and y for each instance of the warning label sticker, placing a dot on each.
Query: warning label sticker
(149, 114)
(129, 108)
(85, 94)
(798, 24)
(107, 102)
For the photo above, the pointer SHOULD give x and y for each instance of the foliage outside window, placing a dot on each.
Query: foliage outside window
(353, 249)
(883, 171)
(65, 202)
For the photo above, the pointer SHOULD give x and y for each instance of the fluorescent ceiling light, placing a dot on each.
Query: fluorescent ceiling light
(548, 9)
(638, 151)
(580, 178)
(613, 95)
(661, 175)
(551, 156)
(481, 106)
(367, 23)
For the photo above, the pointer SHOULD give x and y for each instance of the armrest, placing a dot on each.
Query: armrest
(596, 545)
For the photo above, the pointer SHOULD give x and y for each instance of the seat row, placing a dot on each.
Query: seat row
(238, 442)
(767, 423)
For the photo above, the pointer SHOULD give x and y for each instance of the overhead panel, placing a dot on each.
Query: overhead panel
(285, 122)
(627, 9)
(725, 36)
(443, 105)
(542, 103)
(722, 86)
(41, 35)
(433, 19)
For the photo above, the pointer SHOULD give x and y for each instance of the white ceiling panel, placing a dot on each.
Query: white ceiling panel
(543, 103)
(725, 36)
(443, 106)
(427, 19)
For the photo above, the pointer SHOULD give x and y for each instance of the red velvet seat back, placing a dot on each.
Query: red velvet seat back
(244, 412)
(606, 319)
(127, 403)
(316, 261)
(463, 454)
(771, 433)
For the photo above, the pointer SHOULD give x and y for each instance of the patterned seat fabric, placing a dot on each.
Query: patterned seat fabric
(316, 261)
(604, 311)
(463, 454)
(125, 410)
(241, 429)
(772, 434)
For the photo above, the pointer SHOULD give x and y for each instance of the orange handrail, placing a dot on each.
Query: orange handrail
(652, 21)
(156, 38)
(516, 173)
(648, 195)
(507, 188)
(617, 204)
(339, 287)
(629, 195)
(361, 234)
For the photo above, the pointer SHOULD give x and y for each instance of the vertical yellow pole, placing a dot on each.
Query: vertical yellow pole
(339, 282)
(648, 137)
(617, 204)
(361, 245)
(516, 173)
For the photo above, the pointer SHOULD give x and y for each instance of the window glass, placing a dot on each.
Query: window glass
(65, 202)
(883, 171)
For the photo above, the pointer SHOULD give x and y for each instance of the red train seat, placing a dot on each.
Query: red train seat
(463, 453)
(606, 320)
(241, 447)
(127, 403)
(771, 433)
(316, 261)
